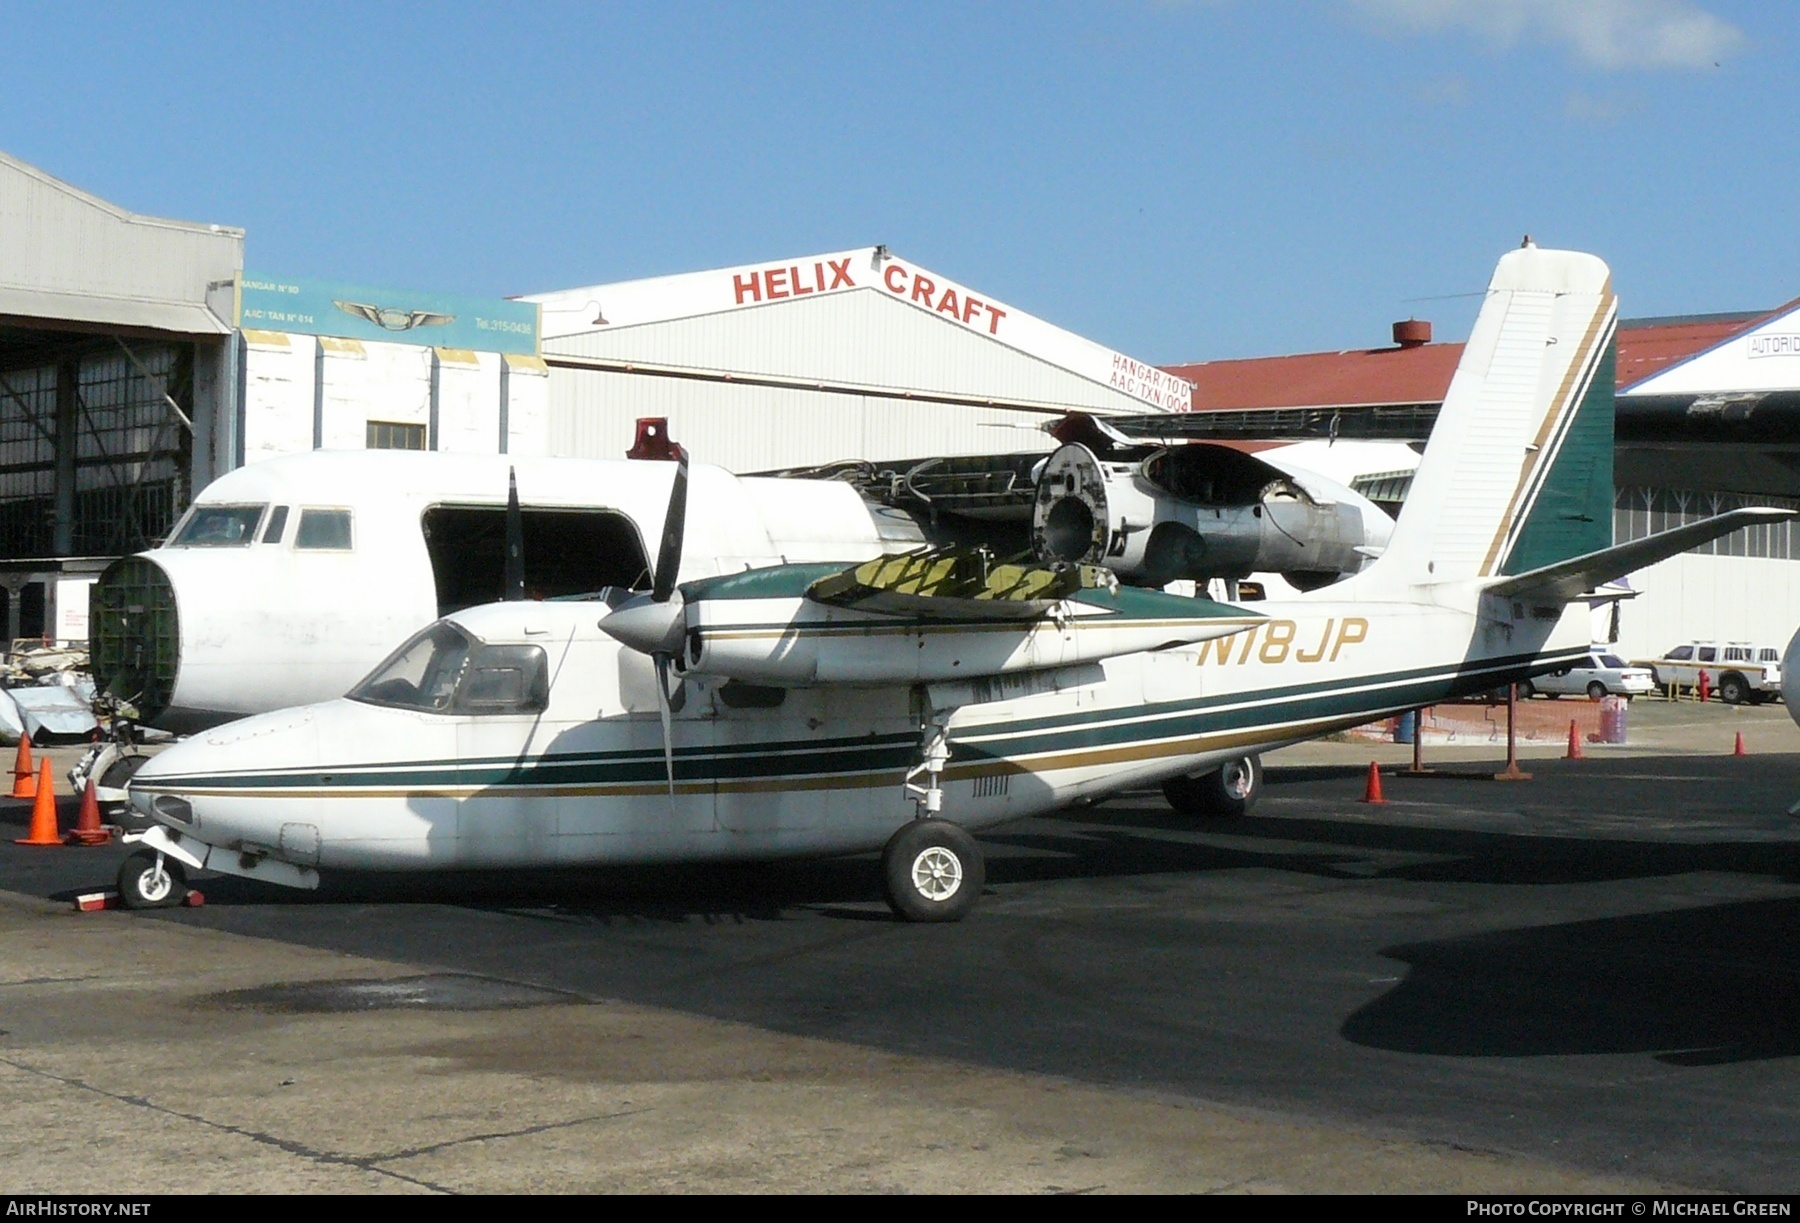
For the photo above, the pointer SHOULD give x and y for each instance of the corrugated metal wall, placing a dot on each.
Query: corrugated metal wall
(859, 339)
(1710, 598)
(79, 257)
(751, 428)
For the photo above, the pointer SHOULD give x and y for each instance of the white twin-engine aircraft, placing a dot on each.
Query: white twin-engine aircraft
(897, 703)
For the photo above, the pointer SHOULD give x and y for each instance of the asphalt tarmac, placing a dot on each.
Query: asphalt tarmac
(1585, 981)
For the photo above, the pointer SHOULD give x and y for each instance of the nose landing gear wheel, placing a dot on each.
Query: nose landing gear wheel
(149, 880)
(933, 870)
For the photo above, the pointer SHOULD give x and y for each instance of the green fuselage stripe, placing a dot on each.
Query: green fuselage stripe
(1075, 731)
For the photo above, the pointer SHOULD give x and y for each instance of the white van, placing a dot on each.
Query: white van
(1737, 670)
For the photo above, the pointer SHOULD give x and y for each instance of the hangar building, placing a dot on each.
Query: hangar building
(117, 375)
(139, 360)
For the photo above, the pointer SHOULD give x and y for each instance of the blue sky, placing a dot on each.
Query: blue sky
(1182, 181)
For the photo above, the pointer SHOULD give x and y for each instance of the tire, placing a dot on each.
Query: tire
(1597, 691)
(143, 886)
(117, 776)
(1733, 688)
(1527, 690)
(934, 871)
(1228, 792)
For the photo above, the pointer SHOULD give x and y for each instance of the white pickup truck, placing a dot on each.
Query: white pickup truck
(1737, 670)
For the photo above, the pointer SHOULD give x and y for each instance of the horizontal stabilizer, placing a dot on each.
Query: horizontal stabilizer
(1567, 579)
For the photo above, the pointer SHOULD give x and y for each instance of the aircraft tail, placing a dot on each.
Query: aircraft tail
(1518, 474)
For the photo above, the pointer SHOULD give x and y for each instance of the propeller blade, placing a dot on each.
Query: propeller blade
(662, 662)
(668, 554)
(513, 583)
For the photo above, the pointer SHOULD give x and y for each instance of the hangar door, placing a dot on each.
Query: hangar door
(94, 458)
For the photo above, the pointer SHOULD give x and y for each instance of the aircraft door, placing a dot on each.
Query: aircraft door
(509, 817)
(771, 746)
(614, 796)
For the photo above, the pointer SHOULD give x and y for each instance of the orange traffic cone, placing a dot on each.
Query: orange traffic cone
(1738, 749)
(88, 830)
(43, 812)
(1372, 791)
(1574, 752)
(24, 783)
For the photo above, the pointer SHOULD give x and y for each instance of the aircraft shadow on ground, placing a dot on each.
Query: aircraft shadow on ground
(1696, 987)
(713, 893)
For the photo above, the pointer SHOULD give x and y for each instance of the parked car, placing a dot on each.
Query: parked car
(1738, 671)
(1600, 675)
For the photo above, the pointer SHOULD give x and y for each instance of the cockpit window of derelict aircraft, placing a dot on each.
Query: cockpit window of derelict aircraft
(218, 526)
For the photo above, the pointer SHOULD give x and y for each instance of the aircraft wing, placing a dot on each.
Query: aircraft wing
(956, 586)
(1568, 579)
(911, 618)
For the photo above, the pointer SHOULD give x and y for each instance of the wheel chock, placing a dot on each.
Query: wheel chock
(94, 902)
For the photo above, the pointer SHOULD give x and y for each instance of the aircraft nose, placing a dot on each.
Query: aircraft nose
(136, 634)
(209, 772)
(646, 625)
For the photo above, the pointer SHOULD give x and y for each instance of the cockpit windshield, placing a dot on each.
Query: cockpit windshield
(219, 526)
(445, 670)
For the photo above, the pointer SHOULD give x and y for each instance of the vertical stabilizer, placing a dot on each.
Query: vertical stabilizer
(1518, 472)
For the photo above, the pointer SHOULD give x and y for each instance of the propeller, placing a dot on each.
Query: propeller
(512, 584)
(655, 623)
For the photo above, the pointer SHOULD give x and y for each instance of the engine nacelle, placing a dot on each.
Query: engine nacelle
(1201, 511)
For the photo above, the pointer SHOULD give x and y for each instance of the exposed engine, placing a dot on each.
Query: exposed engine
(1200, 511)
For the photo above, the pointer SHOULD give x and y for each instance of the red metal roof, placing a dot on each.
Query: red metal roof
(1324, 379)
(1369, 376)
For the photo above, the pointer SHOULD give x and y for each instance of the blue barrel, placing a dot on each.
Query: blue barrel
(1407, 726)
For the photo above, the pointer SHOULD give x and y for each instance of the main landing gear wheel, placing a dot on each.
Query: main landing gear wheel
(149, 880)
(1228, 791)
(934, 871)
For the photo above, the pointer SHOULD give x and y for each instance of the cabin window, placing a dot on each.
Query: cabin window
(505, 679)
(1707, 653)
(390, 435)
(277, 523)
(568, 553)
(1681, 653)
(219, 526)
(444, 670)
(324, 530)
